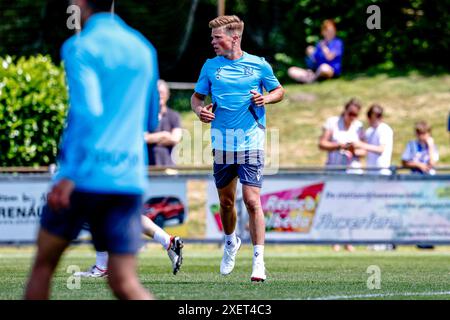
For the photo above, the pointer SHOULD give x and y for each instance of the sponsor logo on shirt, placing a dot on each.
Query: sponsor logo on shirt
(218, 73)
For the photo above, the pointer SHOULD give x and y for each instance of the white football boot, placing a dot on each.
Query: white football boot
(259, 272)
(93, 272)
(175, 253)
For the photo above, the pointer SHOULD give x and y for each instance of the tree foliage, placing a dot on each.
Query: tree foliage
(414, 34)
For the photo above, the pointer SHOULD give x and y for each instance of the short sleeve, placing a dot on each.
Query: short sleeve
(268, 79)
(337, 48)
(85, 94)
(408, 153)
(436, 154)
(203, 85)
(329, 124)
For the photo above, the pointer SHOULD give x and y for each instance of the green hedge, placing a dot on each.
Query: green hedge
(33, 104)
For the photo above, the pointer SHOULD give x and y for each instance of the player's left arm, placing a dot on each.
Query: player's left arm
(271, 84)
(274, 96)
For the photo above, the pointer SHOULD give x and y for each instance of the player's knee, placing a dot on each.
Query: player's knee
(293, 72)
(253, 205)
(325, 70)
(227, 204)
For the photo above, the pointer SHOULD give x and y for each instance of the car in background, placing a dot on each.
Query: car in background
(162, 209)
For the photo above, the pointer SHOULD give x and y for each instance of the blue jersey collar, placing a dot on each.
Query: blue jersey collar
(244, 54)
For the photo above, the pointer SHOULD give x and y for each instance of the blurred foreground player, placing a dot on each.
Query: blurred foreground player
(163, 142)
(102, 176)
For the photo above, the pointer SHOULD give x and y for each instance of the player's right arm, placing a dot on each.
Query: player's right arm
(85, 107)
(203, 112)
(202, 89)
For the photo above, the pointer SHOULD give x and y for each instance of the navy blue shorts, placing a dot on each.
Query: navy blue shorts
(114, 220)
(247, 165)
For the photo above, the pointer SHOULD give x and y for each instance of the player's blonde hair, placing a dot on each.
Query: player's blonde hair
(231, 24)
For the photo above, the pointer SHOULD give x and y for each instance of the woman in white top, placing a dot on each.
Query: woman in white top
(340, 135)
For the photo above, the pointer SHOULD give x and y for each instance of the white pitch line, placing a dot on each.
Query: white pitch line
(382, 295)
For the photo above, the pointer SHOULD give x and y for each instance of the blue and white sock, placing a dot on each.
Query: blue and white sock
(162, 237)
(258, 253)
(230, 239)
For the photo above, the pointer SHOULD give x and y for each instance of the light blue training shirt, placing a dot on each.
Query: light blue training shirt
(239, 125)
(112, 75)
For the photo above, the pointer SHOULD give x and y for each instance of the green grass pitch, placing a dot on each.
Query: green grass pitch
(294, 272)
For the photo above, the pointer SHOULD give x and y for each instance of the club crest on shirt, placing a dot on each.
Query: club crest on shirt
(248, 71)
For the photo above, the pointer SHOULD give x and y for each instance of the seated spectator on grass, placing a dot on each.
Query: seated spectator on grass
(168, 133)
(324, 60)
(421, 154)
(379, 141)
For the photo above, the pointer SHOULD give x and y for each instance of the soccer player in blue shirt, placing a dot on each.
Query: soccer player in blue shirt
(102, 173)
(235, 80)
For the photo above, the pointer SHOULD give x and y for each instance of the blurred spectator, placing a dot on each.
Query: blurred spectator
(324, 60)
(339, 135)
(338, 138)
(421, 155)
(379, 141)
(167, 134)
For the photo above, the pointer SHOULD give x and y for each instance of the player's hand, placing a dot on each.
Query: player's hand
(59, 196)
(205, 115)
(430, 141)
(258, 98)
